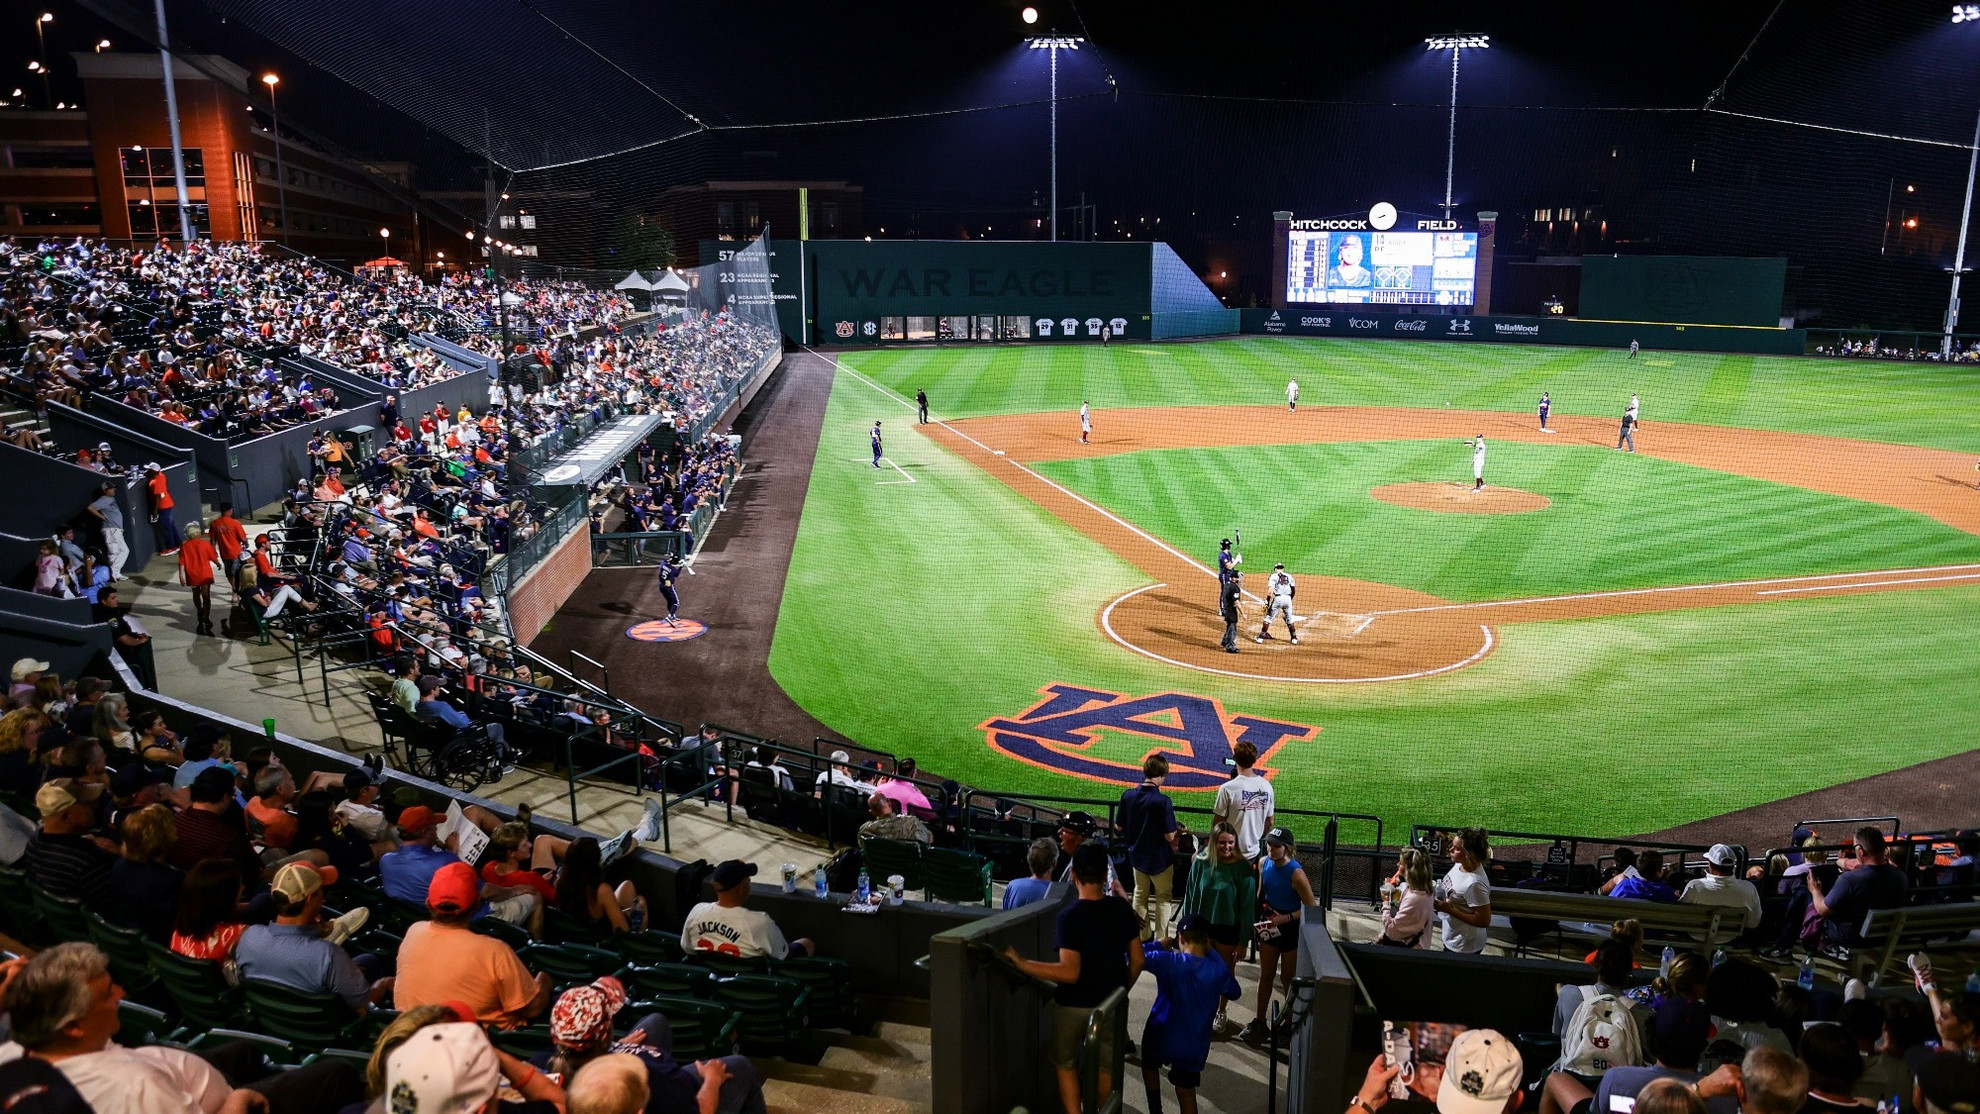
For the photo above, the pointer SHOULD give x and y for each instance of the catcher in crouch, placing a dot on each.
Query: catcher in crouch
(1279, 592)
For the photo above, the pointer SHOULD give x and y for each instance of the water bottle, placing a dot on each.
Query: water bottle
(1718, 956)
(1664, 965)
(865, 887)
(818, 886)
(1806, 979)
(1111, 883)
(1973, 982)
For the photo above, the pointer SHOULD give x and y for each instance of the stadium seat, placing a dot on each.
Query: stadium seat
(18, 914)
(834, 1003)
(570, 963)
(524, 1042)
(307, 1019)
(199, 990)
(701, 1029)
(775, 1014)
(669, 980)
(887, 857)
(514, 935)
(562, 928)
(729, 964)
(125, 948)
(65, 917)
(957, 876)
(139, 1024)
(651, 946)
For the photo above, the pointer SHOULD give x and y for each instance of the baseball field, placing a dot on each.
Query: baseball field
(1776, 592)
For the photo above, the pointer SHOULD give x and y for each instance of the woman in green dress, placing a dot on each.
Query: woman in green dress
(1224, 888)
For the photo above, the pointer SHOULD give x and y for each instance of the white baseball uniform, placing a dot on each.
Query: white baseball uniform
(1279, 590)
(1478, 460)
(1085, 419)
(1292, 394)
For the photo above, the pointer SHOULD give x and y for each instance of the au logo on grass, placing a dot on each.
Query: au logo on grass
(1063, 731)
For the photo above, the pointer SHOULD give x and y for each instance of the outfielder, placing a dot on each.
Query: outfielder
(876, 444)
(1085, 422)
(1546, 408)
(1478, 463)
(1279, 592)
(1292, 395)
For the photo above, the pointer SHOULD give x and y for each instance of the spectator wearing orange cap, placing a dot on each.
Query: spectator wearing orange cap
(444, 960)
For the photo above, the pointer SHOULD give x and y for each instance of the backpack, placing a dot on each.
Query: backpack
(1601, 1035)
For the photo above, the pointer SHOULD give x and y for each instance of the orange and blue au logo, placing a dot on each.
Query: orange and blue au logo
(660, 630)
(1067, 730)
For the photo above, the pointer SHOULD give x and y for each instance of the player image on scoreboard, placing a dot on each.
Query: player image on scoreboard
(1381, 268)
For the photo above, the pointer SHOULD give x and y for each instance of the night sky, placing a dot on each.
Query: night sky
(1210, 124)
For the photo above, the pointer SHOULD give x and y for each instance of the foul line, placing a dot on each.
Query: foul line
(1701, 588)
(1107, 624)
(1870, 584)
(1075, 496)
(905, 478)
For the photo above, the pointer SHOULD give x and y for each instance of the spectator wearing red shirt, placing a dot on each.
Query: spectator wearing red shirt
(197, 560)
(515, 859)
(158, 500)
(230, 538)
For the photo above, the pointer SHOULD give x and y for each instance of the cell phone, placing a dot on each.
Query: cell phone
(1621, 1104)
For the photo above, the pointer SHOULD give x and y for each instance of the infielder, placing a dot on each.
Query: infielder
(1546, 408)
(1478, 463)
(1292, 396)
(876, 444)
(1627, 436)
(1279, 592)
(1085, 422)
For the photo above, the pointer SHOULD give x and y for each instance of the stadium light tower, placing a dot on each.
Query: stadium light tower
(1457, 43)
(1961, 13)
(1052, 45)
(281, 179)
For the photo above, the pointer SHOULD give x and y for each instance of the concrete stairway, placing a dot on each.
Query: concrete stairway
(886, 1073)
(16, 417)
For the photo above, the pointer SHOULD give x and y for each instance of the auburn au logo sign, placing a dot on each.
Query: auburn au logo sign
(1195, 733)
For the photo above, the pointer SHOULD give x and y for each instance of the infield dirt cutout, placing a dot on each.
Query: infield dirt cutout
(1357, 631)
(1461, 498)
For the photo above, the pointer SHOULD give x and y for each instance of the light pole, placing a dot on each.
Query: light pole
(1052, 45)
(1961, 13)
(1456, 44)
(41, 39)
(275, 129)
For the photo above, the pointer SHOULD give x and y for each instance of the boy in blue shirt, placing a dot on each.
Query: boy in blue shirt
(1189, 983)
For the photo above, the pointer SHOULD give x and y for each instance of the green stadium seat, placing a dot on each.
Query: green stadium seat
(139, 1025)
(884, 858)
(775, 1014)
(280, 1054)
(562, 928)
(524, 1042)
(129, 964)
(957, 876)
(18, 915)
(514, 935)
(571, 963)
(701, 1029)
(834, 1003)
(65, 917)
(198, 989)
(669, 980)
(306, 1019)
(729, 964)
(651, 946)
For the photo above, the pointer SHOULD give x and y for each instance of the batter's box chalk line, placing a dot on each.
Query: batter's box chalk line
(1338, 624)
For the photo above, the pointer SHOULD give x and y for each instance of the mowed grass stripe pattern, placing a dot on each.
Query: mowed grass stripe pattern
(1872, 400)
(1617, 520)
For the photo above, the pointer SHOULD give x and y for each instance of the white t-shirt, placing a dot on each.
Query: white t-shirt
(150, 1080)
(1247, 802)
(1472, 889)
(1724, 889)
(732, 931)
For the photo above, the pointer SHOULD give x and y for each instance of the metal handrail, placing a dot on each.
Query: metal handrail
(1108, 1020)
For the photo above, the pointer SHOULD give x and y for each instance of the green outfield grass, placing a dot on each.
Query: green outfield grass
(1875, 400)
(916, 611)
(1617, 520)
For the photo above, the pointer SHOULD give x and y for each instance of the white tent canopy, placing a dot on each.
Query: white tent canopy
(634, 281)
(671, 282)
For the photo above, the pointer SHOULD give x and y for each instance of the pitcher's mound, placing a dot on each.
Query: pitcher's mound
(1461, 499)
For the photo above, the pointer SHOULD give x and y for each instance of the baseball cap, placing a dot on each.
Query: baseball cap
(454, 887)
(1280, 565)
(103, 446)
(582, 1017)
(296, 881)
(1950, 1082)
(1078, 822)
(1721, 855)
(1481, 1073)
(1280, 837)
(443, 1069)
(153, 467)
(25, 666)
(64, 793)
(1192, 922)
(729, 873)
(417, 819)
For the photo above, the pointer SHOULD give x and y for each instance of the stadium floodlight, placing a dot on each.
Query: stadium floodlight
(1964, 13)
(1457, 43)
(41, 39)
(1052, 45)
(275, 129)
(1029, 15)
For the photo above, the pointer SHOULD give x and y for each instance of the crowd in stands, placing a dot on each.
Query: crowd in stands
(1875, 348)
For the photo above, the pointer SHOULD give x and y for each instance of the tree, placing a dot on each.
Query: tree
(640, 243)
